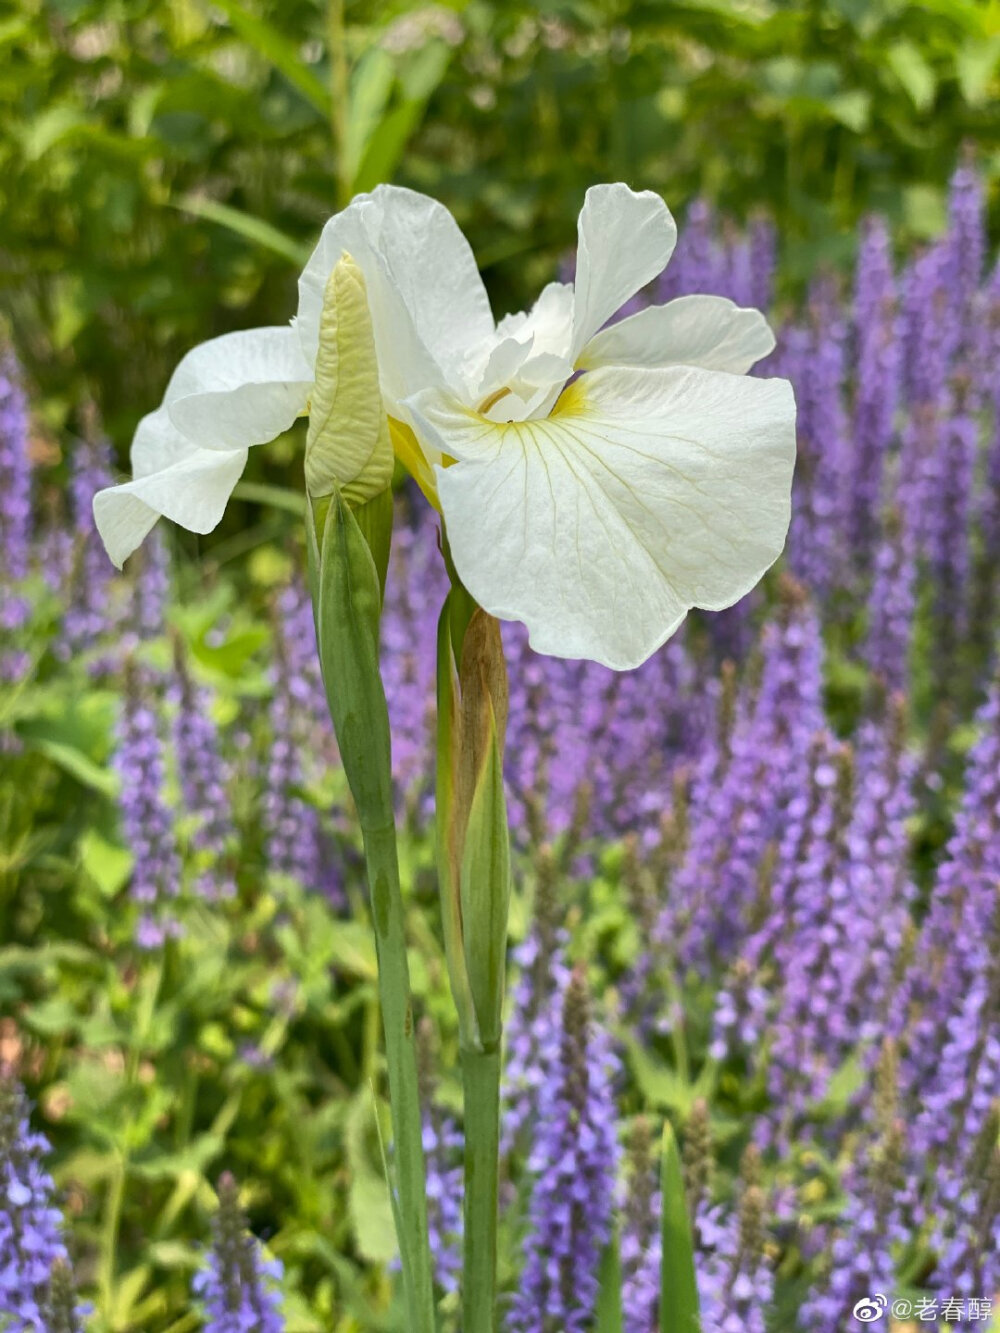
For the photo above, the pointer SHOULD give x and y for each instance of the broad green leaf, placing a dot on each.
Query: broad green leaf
(282, 53)
(387, 143)
(912, 70)
(278, 497)
(662, 1086)
(851, 109)
(371, 85)
(243, 224)
(976, 66)
(108, 864)
(74, 762)
(679, 1306)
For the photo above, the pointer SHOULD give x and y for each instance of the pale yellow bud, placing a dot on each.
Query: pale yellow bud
(348, 446)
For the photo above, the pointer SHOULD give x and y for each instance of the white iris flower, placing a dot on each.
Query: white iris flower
(596, 507)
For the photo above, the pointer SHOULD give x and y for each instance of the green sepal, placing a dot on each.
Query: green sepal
(610, 1318)
(485, 893)
(446, 832)
(347, 603)
(679, 1307)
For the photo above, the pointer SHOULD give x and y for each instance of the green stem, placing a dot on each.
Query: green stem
(481, 1081)
(401, 1057)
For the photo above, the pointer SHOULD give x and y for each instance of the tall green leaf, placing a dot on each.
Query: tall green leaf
(679, 1309)
(609, 1297)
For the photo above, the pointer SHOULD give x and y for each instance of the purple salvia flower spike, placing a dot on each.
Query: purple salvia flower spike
(237, 1287)
(204, 782)
(877, 383)
(572, 1167)
(31, 1227)
(146, 820)
(15, 506)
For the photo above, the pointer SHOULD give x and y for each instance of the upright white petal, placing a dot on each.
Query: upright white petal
(241, 389)
(429, 307)
(645, 493)
(624, 241)
(707, 331)
(173, 478)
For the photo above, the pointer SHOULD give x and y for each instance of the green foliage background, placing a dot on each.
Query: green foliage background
(165, 163)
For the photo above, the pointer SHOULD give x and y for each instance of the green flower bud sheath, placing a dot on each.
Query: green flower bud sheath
(347, 603)
(474, 871)
(348, 470)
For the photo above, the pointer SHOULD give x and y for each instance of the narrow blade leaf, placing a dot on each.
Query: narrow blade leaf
(679, 1309)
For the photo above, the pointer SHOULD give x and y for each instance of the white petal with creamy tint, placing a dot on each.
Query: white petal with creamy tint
(645, 493)
(429, 307)
(242, 389)
(707, 331)
(624, 240)
(173, 478)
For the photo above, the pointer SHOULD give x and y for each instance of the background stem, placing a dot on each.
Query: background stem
(481, 1081)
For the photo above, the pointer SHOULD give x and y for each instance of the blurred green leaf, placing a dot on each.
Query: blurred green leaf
(913, 71)
(252, 229)
(271, 43)
(108, 864)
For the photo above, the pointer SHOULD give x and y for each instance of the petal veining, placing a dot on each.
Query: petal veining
(646, 492)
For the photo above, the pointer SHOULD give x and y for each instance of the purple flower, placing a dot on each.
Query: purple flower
(90, 613)
(877, 374)
(815, 360)
(151, 590)
(640, 1233)
(147, 822)
(295, 842)
(735, 1278)
(444, 1146)
(892, 604)
(859, 1256)
(33, 1257)
(204, 779)
(238, 1287)
(572, 1167)
(15, 498)
(534, 1033)
(742, 790)
(966, 242)
(15, 472)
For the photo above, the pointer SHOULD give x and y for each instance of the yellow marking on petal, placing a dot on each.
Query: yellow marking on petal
(412, 457)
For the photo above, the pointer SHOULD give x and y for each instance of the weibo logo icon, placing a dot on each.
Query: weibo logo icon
(871, 1308)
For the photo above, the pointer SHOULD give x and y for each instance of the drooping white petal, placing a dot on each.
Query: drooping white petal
(171, 477)
(645, 493)
(429, 307)
(624, 240)
(707, 331)
(239, 390)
